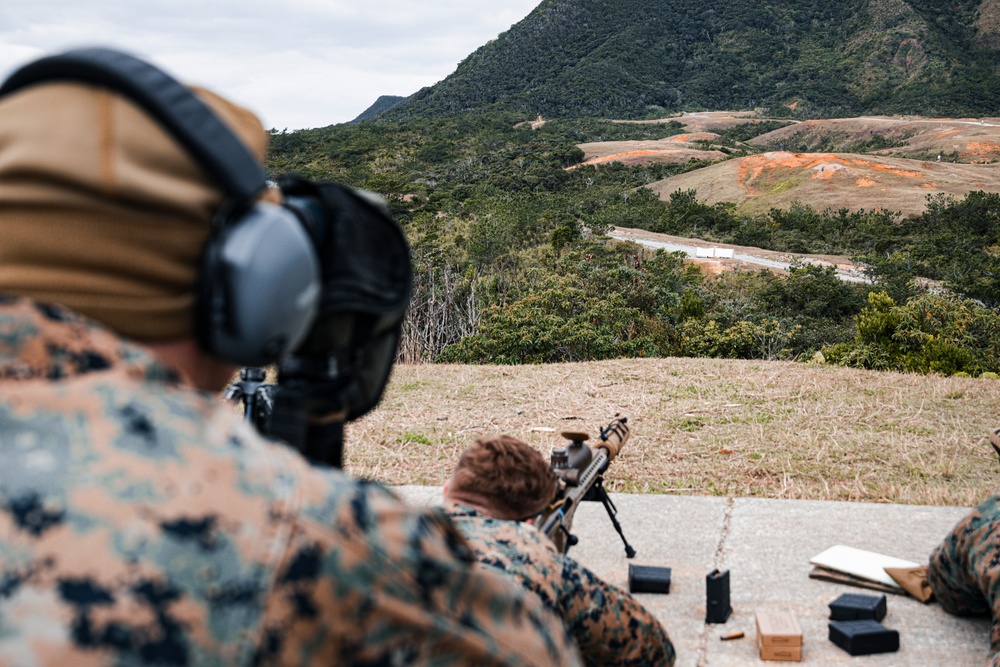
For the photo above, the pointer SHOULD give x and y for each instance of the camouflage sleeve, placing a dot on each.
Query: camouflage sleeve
(141, 522)
(609, 625)
(964, 570)
(406, 589)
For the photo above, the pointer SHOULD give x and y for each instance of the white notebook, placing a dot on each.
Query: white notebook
(860, 563)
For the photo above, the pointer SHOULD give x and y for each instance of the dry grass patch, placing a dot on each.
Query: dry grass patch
(702, 426)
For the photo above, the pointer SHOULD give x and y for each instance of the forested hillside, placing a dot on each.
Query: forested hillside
(507, 223)
(511, 264)
(636, 58)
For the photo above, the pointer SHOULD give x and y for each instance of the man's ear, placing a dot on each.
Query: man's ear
(444, 489)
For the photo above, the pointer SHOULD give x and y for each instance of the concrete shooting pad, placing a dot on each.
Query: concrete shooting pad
(766, 546)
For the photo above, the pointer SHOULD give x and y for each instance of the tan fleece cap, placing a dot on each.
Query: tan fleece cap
(101, 210)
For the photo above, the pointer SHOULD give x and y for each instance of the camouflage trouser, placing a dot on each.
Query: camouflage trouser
(964, 570)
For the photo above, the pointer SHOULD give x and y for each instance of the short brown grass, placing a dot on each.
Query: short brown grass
(703, 427)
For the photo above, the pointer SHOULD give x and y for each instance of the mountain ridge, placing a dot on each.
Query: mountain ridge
(636, 58)
(378, 107)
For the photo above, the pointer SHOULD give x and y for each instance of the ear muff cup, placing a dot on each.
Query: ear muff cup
(259, 282)
(259, 287)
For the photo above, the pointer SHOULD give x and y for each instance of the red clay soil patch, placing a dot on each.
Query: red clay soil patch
(651, 156)
(831, 180)
(669, 149)
(602, 149)
(954, 139)
(982, 151)
(695, 136)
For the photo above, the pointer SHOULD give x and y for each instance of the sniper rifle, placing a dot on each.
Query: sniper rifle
(580, 472)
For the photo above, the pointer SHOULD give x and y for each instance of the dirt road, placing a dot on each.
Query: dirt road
(846, 271)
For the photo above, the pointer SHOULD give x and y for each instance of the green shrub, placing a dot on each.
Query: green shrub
(763, 339)
(559, 323)
(930, 333)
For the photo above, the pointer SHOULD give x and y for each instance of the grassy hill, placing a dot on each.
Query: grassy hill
(634, 58)
(702, 426)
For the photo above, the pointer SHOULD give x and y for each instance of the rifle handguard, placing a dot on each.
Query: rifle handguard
(614, 437)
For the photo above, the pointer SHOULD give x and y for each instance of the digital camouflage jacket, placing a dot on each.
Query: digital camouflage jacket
(964, 570)
(142, 522)
(609, 626)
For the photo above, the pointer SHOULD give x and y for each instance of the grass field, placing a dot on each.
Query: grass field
(703, 427)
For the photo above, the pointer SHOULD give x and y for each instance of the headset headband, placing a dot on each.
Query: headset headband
(191, 122)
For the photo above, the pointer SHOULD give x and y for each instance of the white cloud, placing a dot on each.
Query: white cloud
(299, 63)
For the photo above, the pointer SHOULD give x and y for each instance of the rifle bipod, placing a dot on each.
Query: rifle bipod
(598, 492)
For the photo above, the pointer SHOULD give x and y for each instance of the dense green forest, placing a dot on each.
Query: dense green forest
(511, 265)
(642, 58)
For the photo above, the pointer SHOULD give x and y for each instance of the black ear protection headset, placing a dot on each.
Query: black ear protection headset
(260, 279)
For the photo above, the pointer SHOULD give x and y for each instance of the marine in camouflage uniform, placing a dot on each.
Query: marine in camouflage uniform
(141, 520)
(964, 570)
(609, 625)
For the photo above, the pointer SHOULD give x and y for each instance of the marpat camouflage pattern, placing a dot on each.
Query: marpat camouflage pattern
(143, 522)
(608, 624)
(964, 570)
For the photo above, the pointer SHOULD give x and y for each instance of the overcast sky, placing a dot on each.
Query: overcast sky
(296, 63)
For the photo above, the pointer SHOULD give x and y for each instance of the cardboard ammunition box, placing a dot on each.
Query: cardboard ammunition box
(779, 636)
(864, 637)
(786, 653)
(855, 607)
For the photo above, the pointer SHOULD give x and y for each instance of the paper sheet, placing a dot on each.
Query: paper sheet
(860, 563)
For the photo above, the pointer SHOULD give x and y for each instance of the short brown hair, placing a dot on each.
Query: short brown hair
(506, 476)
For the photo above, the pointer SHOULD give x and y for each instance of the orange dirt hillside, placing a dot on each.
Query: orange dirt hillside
(677, 148)
(700, 128)
(831, 180)
(974, 140)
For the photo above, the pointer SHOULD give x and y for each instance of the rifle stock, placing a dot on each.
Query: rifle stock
(580, 470)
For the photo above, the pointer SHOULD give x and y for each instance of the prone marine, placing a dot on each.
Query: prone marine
(498, 488)
(964, 570)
